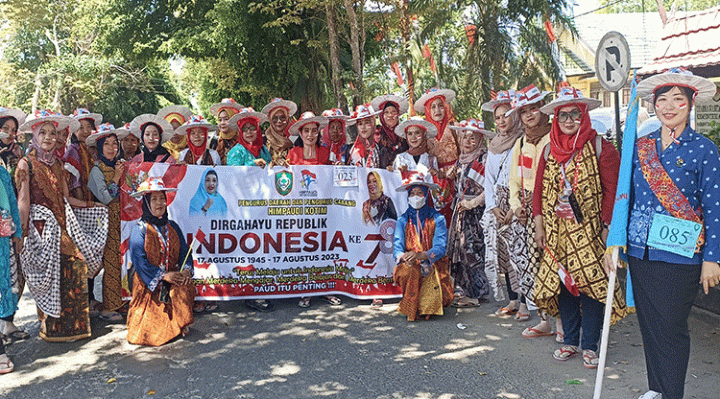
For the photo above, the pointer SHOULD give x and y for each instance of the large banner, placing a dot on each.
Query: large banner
(280, 232)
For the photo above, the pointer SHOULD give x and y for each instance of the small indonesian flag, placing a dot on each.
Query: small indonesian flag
(477, 172)
(198, 239)
(248, 268)
(568, 280)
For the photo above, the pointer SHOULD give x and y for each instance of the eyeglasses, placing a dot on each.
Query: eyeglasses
(574, 115)
(281, 118)
(248, 128)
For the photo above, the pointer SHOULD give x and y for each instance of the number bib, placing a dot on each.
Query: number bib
(675, 235)
(345, 176)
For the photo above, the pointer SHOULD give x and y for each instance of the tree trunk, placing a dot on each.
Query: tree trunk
(36, 94)
(330, 13)
(355, 49)
(407, 59)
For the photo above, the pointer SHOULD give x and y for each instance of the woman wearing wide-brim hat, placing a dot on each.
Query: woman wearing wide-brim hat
(74, 245)
(416, 131)
(227, 137)
(163, 291)
(675, 174)
(280, 115)
(497, 216)
(310, 150)
(335, 135)
(250, 149)
(419, 249)
(10, 150)
(104, 183)
(466, 242)
(391, 108)
(365, 152)
(176, 116)
(152, 131)
(196, 131)
(572, 205)
(78, 159)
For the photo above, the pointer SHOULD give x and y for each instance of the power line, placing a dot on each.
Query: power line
(600, 8)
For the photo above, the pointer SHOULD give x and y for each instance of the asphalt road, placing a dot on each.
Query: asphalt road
(350, 351)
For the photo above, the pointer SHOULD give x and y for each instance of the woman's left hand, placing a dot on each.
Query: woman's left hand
(710, 276)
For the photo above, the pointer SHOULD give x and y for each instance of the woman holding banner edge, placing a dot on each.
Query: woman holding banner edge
(674, 174)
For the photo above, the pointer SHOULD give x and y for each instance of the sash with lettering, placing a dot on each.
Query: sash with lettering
(671, 198)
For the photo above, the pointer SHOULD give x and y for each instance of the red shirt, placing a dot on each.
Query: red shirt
(609, 165)
(322, 157)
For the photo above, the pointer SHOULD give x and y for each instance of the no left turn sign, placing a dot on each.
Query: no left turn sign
(612, 61)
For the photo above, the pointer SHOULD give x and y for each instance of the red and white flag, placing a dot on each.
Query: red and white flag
(568, 280)
(477, 172)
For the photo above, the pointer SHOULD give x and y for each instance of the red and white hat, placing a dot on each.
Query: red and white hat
(527, 96)
(501, 97)
(276, 102)
(401, 102)
(704, 88)
(337, 114)
(193, 122)
(570, 95)
(247, 112)
(137, 125)
(151, 185)
(473, 125)
(363, 111)
(306, 118)
(15, 113)
(429, 128)
(105, 130)
(83, 113)
(448, 94)
(45, 115)
(225, 103)
(175, 113)
(416, 179)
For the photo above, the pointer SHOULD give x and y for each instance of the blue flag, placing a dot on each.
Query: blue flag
(617, 236)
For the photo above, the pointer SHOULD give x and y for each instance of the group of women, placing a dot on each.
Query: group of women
(523, 211)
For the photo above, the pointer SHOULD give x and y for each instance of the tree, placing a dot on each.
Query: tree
(613, 6)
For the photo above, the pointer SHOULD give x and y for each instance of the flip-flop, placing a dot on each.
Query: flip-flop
(522, 316)
(7, 341)
(304, 303)
(19, 335)
(113, 317)
(532, 332)
(6, 366)
(332, 300)
(376, 304)
(211, 307)
(565, 353)
(199, 307)
(464, 304)
(261, 305)
(559, 337)
(505, 311)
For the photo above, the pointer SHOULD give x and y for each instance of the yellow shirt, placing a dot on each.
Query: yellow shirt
(521, 175)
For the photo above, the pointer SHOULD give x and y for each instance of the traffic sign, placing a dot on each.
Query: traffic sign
(612, 61)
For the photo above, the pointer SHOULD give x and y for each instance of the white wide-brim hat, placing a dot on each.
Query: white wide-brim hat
(364, 111)
(502, 97)
(82, 113)
(183, 130)
(430, 129)
(416, 179)
(473, 127)
(60, 121)
(570, 95)
(305, 118)
(93, 138)
(379, 102)
(279, 102)
(225, 103)
(432, 93)
(527, 96)
(335, 114)
(141, 120)
(151, 185)
(15, 113)
(180, 110)
(246, 113)
(704, 87)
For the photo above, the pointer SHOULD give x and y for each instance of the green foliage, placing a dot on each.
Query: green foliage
(714, 133)
(613, 6)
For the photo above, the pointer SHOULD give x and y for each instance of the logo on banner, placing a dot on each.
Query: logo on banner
(284, 182)
(308, 179)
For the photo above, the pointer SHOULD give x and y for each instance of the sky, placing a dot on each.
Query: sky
(582, 6)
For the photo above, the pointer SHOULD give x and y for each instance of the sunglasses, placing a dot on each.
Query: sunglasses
(574, 115)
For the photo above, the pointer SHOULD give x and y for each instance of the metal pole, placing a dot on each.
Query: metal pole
(606, 325)
(618, 131)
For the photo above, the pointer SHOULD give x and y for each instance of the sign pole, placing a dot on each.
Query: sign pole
(618, 131)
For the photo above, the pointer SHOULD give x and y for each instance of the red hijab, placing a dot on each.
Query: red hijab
(334, 146)
(197, 151)
(256, 145)
(439, 125)
(563, 146)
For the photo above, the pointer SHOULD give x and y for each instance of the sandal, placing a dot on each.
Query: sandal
(95, 308)
(261, 305)
(19, 335)
(199, 307)
(211, 306)
(304, 302)
(6, 366)
(532, 332)
(332, 300)
(464, 303)
(111, 316)
(7, 341)
(559, 337)
(522, 316)
(590, 359)
(565, 353)
(506, 311)
(376, 304)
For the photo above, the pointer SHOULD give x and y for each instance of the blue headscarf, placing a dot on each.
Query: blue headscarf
(424, 213)
(99, 145)
(218, 208)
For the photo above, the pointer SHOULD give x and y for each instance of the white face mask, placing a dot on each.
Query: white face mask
(416, 201)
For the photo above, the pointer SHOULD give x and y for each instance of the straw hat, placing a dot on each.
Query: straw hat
(306, 118)
(279, 102)
(140, 121)
(45, 115)
(226, 103)
(151, 185)
(174, 113)
(502, 97)
(704, 88)
(105, 130)
(430, 129)
(432, 93)
(83, 113)
(570, 95)
(416, 179)
(474, 125)
(401, 102)
(527, 96)
(247, 112)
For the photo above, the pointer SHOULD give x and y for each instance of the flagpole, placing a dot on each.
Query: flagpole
(606, 325)
(190, 250)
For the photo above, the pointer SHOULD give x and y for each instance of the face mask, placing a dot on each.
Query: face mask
(416, 202)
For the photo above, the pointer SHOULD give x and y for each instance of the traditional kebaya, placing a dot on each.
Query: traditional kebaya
(280, 115)
(365, 152)
(152, 131)
(227, 138)
(416, 132)
(78, 160)
(334, 135)
(250, 150)
(197, 152)
(309, 150)
(391, 107)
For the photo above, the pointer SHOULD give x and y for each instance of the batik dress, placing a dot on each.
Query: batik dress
(8, 286)
(78, 162)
